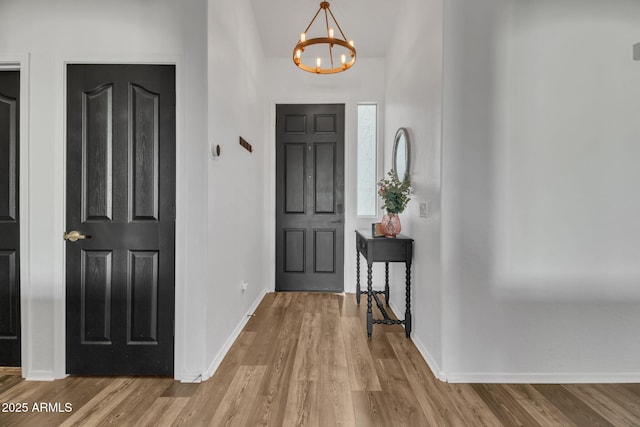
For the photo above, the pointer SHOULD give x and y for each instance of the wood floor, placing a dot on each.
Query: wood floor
(304, 360)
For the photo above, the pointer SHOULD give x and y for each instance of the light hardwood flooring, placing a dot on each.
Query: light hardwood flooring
(304, 360)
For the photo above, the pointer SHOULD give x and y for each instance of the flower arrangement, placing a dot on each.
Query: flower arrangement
(394, 192)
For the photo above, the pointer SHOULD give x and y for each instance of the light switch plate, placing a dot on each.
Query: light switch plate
(424, 209)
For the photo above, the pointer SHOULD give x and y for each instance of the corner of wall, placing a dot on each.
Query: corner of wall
(435, 368)
(215, 363)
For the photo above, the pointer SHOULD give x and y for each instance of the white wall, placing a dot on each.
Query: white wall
(96, 31)
(526, 273)
(540, 154)
(286, 84)
(413, 99)
(571, 100)
(237, 180)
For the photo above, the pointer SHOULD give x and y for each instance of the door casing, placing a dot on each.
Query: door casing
(20, 62)
(350, 222)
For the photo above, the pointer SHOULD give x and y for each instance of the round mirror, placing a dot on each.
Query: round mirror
(401, 154)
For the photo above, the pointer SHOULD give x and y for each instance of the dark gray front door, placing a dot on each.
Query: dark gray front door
(121, 195)
(310, 197)
(9, 219)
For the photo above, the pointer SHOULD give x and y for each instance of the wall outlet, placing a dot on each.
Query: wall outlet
(424, 209)
(244, 286)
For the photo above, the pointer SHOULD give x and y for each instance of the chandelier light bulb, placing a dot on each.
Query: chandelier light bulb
(303, 37)
(318, 62)
(343, 59)
(330, 33)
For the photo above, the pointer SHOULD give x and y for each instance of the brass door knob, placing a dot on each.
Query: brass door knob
(74, 236)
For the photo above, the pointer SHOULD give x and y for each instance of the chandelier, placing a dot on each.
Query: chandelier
(315, 47)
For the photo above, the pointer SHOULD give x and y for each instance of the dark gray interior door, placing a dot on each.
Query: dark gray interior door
(310, 197)
(9, 219)
(121, 195)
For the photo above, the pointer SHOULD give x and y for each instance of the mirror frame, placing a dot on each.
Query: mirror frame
(400, 133)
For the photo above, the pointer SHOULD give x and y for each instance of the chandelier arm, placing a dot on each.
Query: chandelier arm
(314, 18)
(337, 25)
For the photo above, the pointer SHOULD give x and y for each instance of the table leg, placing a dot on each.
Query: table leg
(357, 277)
(386, 283)
(369, 291)
(407, 313)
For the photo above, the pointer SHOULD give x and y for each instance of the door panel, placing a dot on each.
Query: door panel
(8, 303)
(97, 269)
(142, 310)
(294, 164)
(325, 160)
(143, 155)
(294, 250)
(310, 197)
(97, 149)
(121, 194)
(9, 219)
(324, 260)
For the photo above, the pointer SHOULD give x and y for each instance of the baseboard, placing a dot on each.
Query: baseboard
(191, 377)
(548, 378)
(232, 338)
(422, 349)
(40, 376)
(431, 362)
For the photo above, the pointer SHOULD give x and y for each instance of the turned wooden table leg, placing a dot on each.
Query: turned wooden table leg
(407, 313)
(357, 277)
(386, 283)
(369, 291)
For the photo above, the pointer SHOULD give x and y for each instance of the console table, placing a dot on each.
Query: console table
(383, 249)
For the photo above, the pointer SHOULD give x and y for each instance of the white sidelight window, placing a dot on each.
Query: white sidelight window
(367, 159)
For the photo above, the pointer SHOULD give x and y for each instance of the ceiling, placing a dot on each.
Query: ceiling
(369, 23)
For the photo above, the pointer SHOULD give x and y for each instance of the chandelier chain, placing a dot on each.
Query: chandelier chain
(337, 25)
(314, 18)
